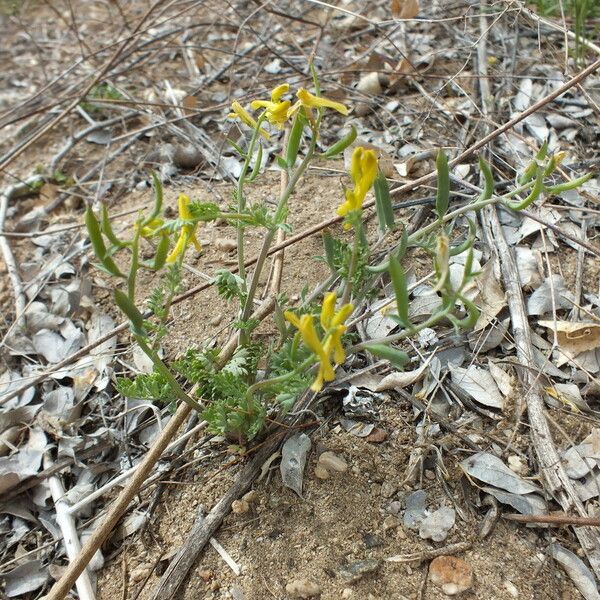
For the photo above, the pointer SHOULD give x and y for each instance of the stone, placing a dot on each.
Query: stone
(358, 569)
(215, 320)
(416, 510)
(370, 540)
(321, 472)
(332, 462)
(206, 574)
(437, 525)
(251, 497)
(225, 244)
(240, 507)
(140, 573)
(388, 489)
(390, 522)
(303, 588)
(347, 593)
(377, 436)
(452, 574)
(395, 507)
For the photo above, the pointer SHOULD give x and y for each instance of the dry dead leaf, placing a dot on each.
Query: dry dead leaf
(575, 338)
(490, 298)
(405, 9)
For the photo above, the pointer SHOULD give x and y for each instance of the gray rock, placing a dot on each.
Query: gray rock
(358, 569)
(416, 510)
(437, 525)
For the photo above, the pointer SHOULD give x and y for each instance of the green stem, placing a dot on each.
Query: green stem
(280, 378)
(160, 366)
(403, 334)
(135, 264)
(281, 206)
(242, 200)
(352, 267)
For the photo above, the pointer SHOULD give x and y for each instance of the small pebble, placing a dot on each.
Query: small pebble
(239, 507)
(206, 574)
(225, 244)
(388, 489)
(453, 575)
(437, 525)
(216, 320)
(332, 462)
(517, 465)
(511, 588)
(251, 497)
(395, 507)
(140, 573)
(321, 472)
(347, 593)
(302, 588)
(377, 436)
(370, 540)
(358, 569)
(390, 522)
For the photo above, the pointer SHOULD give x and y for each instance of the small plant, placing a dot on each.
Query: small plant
(579, 10)
(101, 91)
(234, 394)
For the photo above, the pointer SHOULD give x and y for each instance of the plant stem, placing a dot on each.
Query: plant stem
(135, 264)
(160, 366)
(280, 378)
(242, 201)
(352, 267)
(281, 205)
(403, 334)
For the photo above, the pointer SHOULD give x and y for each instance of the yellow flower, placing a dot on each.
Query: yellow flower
(151, 229)
(239, 112)
(276, 110)
(187, 233)
(306, 326)
(309, 101)
(363, 172)
(333, 325)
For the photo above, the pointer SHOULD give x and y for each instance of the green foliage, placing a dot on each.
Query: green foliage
(338, 255)
(581, 11)
(151, 386)
(204, 211)
(238, 419)
(102, 91)
(229, 285)
(230, 411)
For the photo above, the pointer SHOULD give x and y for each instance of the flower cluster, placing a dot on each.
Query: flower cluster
(363, 172)
(278, 111)
(187, 233)
(330, 346)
